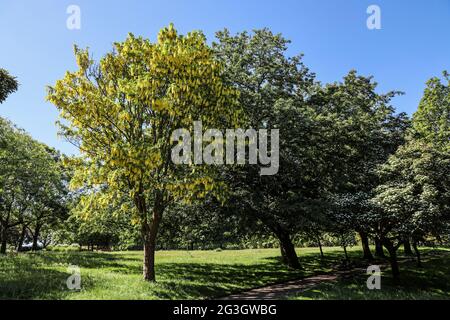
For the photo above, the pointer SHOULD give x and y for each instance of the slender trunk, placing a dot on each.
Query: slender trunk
(287, 248)
(392, 259)
(345, 253)
(21, 238)
(365, 246)
(149, 232)
(3, 236)
(407, 247)
(320, 247)
(416, 250)
(379, 252)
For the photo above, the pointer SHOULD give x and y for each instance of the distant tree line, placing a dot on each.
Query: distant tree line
(33, 185)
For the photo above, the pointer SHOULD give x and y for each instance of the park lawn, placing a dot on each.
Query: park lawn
(432, 281)
(186, 274)
(180, 274)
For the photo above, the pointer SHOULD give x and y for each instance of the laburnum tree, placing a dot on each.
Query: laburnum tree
(121, 113)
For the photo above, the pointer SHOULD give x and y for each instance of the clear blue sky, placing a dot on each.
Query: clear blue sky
(412, 46)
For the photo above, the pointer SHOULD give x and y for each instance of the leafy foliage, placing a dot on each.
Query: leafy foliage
(122, 112)
(8, 84)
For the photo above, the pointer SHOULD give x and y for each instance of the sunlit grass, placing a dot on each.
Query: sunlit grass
(432, 281)
(184, 274)
(117, 275)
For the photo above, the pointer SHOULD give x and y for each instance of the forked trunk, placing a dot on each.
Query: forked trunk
(379, 252)
(392, 259)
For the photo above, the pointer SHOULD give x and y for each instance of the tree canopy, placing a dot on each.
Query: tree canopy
(8, 84)
(122, 111)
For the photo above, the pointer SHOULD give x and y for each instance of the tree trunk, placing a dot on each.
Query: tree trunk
(345, 253)
(287, 248)
(283, 254)
(21, 239)
(416, 250)
(149, 232)
(365, 246)
(320, 247)
(35, 238)
(407, 247)
(379, 252)
(3, 236)
(392, 259)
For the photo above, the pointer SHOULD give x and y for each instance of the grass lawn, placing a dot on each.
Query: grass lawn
(195, 274)
(432, 281)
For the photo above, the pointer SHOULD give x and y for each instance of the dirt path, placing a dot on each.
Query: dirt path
(283, 290)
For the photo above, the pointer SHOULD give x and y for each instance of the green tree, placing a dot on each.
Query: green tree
(51, 196)
(122, 111)
(431, 121)
(414, 199)
(273, 92)
(8, 84)
(31, 183)
(103, 227)
(332, 137)
(360, 130)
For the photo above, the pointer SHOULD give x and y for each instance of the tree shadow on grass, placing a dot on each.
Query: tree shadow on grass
(33, 276)
(34, 283)
(216, 280)
(432, 281)
(42, 276)
(85, 259)
(202, 280)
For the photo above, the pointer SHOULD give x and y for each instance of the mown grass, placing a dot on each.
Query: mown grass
(431, 281)
(180, 274)
(118, 275)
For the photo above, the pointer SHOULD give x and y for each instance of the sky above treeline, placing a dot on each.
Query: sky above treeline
(36, 46)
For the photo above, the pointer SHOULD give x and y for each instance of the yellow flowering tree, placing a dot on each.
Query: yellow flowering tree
(121, 113)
